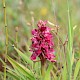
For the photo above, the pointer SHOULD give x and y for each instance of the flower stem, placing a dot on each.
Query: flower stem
(42, 69)
(43, 66)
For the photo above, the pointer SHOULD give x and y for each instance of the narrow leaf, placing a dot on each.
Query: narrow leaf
(10, 73)
(64, 72)
(23, 56)
(21, 69)
(77, 68)
(47, 75)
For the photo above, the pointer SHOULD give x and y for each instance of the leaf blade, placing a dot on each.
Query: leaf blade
(25, 72)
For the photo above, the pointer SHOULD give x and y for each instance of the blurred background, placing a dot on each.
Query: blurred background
(23, 15)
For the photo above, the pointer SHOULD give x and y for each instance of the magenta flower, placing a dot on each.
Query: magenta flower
(42, 42)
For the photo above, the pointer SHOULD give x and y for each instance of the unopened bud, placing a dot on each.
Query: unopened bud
(16, 29)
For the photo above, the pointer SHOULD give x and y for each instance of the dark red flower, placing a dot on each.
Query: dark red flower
(42, 42)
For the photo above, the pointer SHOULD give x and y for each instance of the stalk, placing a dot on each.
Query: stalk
(6, 40)
(16, 30)
(43, 66)
(43, 69)
(16, 41)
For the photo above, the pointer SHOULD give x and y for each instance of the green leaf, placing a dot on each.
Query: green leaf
(64, 72)
(47, 75)
(54, 75)
(72, 61)
(70, 42)
(76, 69)
(15, 76)
(25, 71)
(23, 56)
(2, 61)
(14, 73)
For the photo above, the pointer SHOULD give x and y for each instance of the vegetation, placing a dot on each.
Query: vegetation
(18, 18)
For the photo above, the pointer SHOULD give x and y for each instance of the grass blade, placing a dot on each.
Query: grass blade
(64, 73)
(10, 73)
(77, 68)
(47, 75)
(21, 68)
(23, 56)
(70, 43)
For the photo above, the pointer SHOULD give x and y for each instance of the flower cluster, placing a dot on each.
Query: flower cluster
(42, 42)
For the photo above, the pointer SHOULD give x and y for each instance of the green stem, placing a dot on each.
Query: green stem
(6, 41)
(16, 30)
(42, 69)
(16, 41)
(43, 66)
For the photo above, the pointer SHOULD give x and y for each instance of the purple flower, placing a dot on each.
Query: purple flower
(42, 42)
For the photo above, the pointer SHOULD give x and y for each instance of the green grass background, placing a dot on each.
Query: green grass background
(25, 14)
